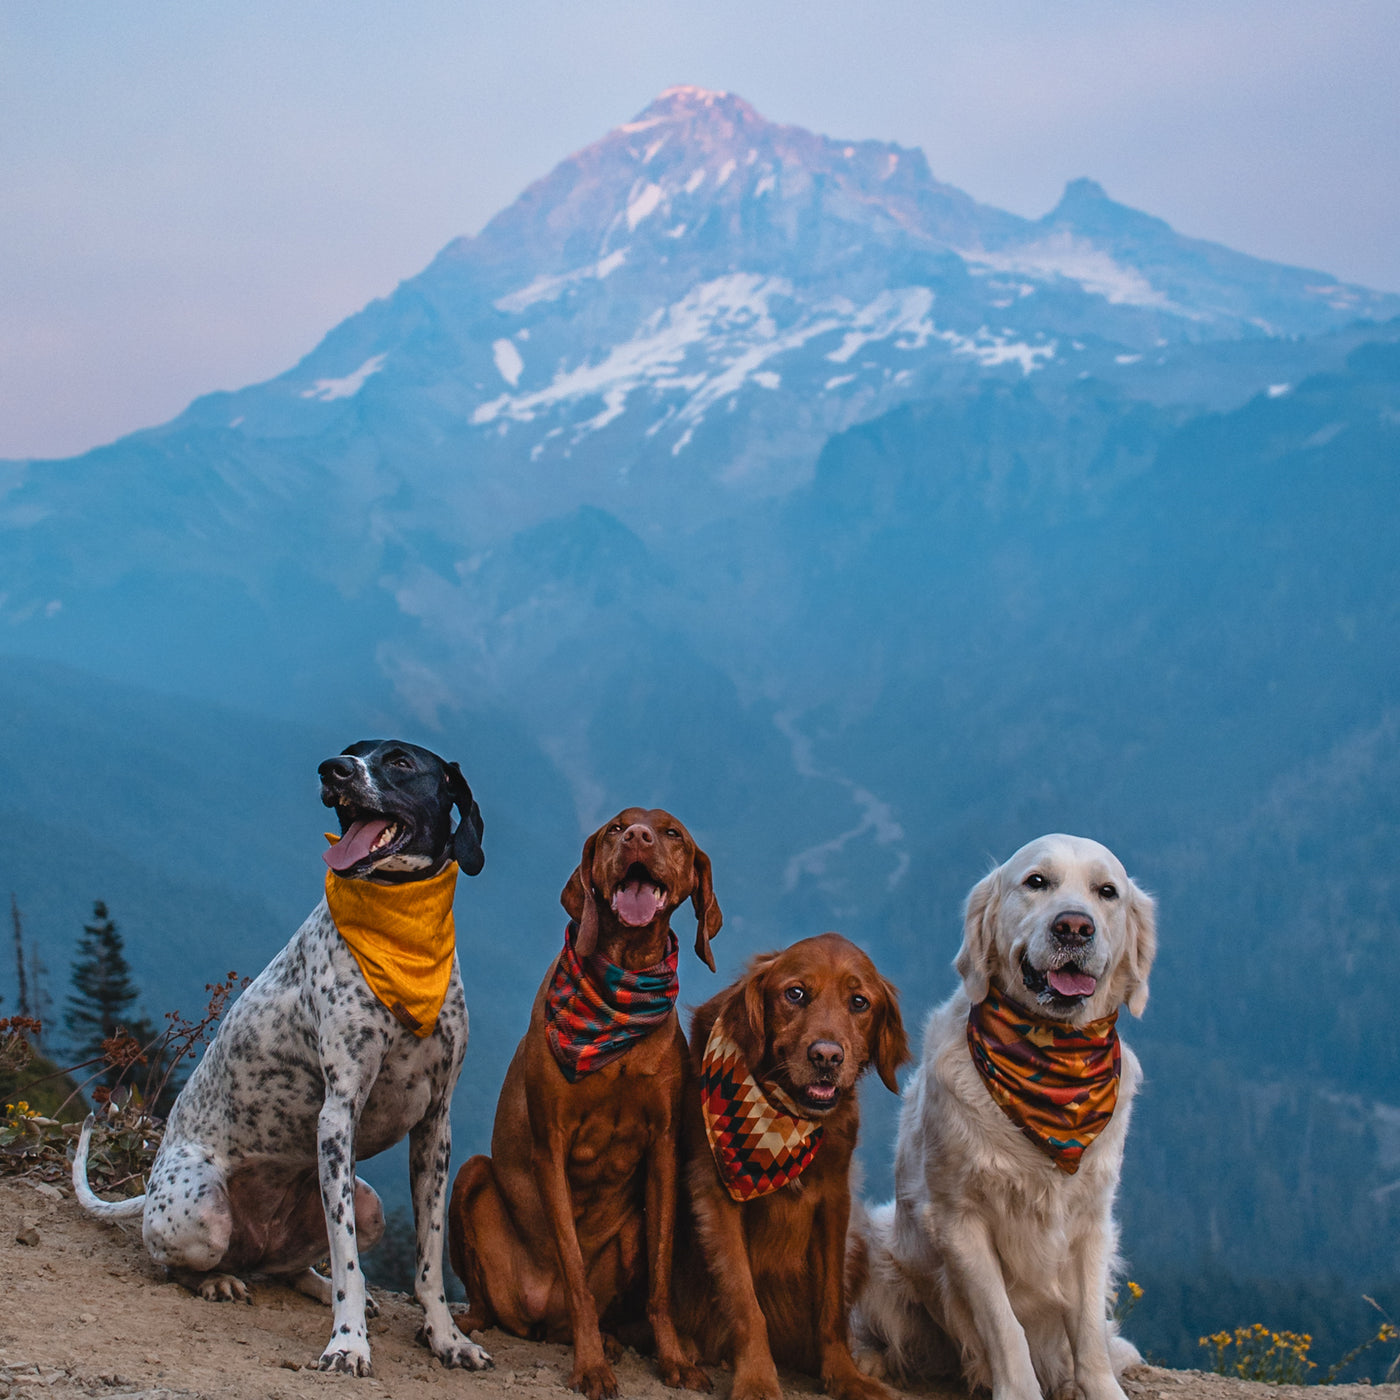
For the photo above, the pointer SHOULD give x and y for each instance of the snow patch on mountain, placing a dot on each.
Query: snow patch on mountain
(643, 204)
(549, 288)
(327, 390)
(902, 312)
(722, 335)
(1077, 260)
(991, 350)
(508, 361)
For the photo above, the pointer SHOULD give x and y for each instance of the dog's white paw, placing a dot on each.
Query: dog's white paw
(223, 1288)
(350, 1358)
(457, 1349)
(870, 1361)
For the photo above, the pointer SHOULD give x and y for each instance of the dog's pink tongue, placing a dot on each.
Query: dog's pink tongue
(355, 845)
(636, 903)
(1070, 983)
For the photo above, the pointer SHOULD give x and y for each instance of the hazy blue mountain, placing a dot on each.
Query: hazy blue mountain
(667, 326)
(873, 531)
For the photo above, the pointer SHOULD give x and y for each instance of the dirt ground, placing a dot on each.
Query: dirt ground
(83, 1311)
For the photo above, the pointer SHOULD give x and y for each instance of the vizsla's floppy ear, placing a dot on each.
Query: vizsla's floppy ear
(746, 1015)
(1142, 946)
(466, 840)
(978, 952)
(708, 919)
(891, 1043)
(580, 901)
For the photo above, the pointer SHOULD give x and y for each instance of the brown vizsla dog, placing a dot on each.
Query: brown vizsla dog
(575, 1208)
(771, 1120)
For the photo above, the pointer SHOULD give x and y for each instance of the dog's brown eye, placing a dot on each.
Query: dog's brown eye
(796, 995)
(673, 833)
(860, 1003)
(1108, 891)
(616, 826)
(1035, 881)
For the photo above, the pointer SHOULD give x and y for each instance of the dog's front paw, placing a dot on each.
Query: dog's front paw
(852, 1385)
(223, 1288)
(596, 1382)
(756, 1383)
(347, 1358)
(681, 1375)
(872, 1361)
(458, 1350)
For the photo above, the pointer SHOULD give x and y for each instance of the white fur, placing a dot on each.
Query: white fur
(309, 1069)
(989, 1254)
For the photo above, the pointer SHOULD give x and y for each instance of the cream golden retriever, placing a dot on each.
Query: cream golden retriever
(999, 1249)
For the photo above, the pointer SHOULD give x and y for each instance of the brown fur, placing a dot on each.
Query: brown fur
(774, 1289)
(573, 1213)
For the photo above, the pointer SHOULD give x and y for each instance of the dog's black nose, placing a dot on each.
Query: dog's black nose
(1073, 926)
(338, 769)
(640, 834)
(825, 1054)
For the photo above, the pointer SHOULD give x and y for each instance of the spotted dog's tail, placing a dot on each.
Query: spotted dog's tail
(95, 1205)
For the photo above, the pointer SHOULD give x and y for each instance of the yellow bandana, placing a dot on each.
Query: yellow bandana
(403, 938)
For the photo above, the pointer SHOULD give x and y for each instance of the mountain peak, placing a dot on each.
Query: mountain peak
(1088, 208)
(682, 95)
(1081, 192)
(694, 107)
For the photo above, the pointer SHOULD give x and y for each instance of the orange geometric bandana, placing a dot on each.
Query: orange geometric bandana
(1057, 1083)
(759, 1139)
(404, 939)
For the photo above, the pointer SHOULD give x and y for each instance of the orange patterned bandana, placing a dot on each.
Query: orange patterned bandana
(403, 938)
(1057, 1083)
(759, 1139)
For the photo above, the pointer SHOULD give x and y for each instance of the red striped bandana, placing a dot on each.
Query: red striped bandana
(597, 1010)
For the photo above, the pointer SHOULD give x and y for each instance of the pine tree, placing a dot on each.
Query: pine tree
(19, 957)
(104, 996)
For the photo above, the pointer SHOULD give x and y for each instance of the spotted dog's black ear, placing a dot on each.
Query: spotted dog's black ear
(466, 840)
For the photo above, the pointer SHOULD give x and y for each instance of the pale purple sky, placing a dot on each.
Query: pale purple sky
(191, 195)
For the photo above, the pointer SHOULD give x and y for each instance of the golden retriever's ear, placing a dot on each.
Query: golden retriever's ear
(581, 903)
(1142, 946)
(708, 919)
(891, 1043)
(978, 952)
(747, 1017)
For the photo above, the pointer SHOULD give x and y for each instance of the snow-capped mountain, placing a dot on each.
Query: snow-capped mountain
(664, 331)
(764, 477)
(667, 327)
(703, 278)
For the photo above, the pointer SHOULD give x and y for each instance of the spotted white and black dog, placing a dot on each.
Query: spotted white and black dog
(310, 1072)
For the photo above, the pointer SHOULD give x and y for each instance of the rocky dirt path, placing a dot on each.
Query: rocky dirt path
(86, 1313)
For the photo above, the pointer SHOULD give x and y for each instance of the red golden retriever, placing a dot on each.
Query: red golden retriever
(770, 1122)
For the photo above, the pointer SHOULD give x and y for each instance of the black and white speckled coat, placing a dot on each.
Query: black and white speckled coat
(310, 1073)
